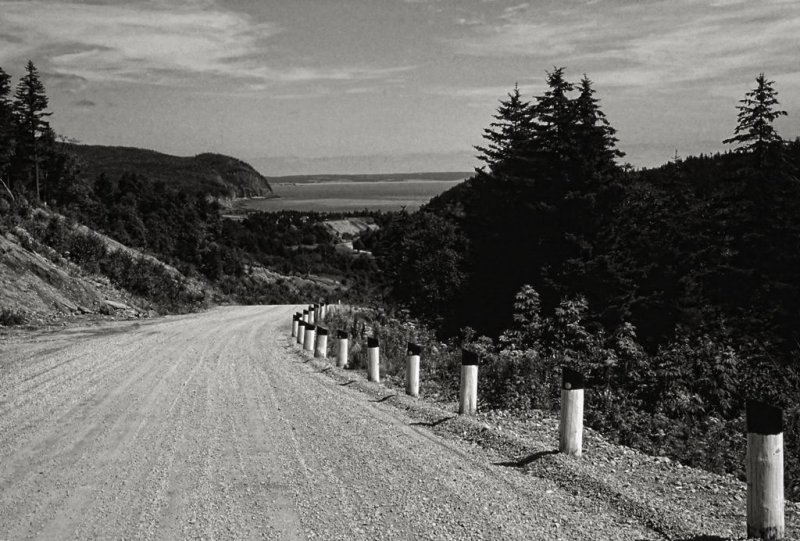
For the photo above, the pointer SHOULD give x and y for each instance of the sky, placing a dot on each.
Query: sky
(359, 86)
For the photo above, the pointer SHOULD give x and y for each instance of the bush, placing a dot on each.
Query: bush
(10, 317)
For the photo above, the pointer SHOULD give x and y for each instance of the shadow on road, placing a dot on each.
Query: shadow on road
(704, 538)
(384, 399)
(434, 423)
(347, 383)
(522, 462)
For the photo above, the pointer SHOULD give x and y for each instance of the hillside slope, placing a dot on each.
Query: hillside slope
(41, 291)
(213, 174)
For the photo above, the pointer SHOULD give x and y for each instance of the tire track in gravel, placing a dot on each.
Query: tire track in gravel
(205, 426)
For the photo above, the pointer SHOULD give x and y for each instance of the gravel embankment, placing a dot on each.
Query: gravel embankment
(210, 426)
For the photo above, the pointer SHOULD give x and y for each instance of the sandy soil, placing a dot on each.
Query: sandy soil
(208, 426)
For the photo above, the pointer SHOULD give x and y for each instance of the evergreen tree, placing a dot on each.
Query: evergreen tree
(30, 109)
(595, 138)
(6, 125)
(507, 135)
(554, 120)
(754, 131)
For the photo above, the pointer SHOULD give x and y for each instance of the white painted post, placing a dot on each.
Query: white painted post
(311, 315)
(468, 394)
(301, 331)
(294, 326)
(570, 427)
(321, 347)
(412, 369)
(308, 342)
(341, 355)
(764, 471)
(305, 316)
(373, 360)
(323, 311)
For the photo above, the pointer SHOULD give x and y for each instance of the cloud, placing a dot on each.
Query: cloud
(481, 93)
(648, 43)
(152, 42)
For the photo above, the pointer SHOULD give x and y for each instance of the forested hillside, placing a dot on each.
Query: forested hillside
(210, 174)
(674, 289)
(164, 206)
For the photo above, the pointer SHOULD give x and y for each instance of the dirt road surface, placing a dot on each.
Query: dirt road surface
(210, 426)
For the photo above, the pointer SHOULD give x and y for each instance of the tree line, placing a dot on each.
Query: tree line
(673, 289)
(28, 158)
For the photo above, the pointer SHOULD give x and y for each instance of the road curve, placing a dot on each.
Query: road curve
(210, 426)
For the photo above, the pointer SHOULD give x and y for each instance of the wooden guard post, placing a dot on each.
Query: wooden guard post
(321, 347)
(468, 393)
(764, 471)
(311, 318)
(301, 331)
(308, 341)
(305, 316)
(294, 326)
(570, 429)
(412, 369)
(373, 360)
(341, 354)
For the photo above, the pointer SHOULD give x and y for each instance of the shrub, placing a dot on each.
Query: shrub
(10, 317)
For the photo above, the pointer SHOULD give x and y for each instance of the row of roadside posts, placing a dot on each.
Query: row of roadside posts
(765, 500)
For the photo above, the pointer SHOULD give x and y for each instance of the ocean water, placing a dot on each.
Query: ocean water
(350, 196)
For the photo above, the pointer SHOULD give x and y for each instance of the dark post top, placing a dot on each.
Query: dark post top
(294, 317)
(310, 327)
(469, 358)
(372, 342)
(571, 380)
(298, 314)
(413, 349)
(763, 418)
(301, 322)
(322, 331)
(342, 335)
(305, 312)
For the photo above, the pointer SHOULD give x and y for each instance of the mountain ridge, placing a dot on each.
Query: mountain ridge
(216, 175)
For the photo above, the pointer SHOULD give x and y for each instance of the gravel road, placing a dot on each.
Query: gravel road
(211, 426)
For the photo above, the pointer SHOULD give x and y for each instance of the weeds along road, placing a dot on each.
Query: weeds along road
(209, 426)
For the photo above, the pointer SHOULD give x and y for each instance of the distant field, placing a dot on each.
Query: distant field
(343, 196)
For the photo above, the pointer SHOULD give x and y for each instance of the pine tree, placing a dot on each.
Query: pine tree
(30, 105)
(554, 118)
(507, 135)
(595, 138)
(754, 132)
(6, 126)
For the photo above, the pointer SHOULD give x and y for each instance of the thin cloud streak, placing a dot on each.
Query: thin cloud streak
(154, 44)
(646, 44)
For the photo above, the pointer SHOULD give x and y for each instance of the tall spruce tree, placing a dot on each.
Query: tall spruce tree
(6, 126)
(594, 137)
(554, 119)
(507, 136)
(30, 110)
(754, 132)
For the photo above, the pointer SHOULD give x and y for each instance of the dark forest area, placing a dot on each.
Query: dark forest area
(675, 289)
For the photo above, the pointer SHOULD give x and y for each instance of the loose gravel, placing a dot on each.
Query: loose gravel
(215, 426)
